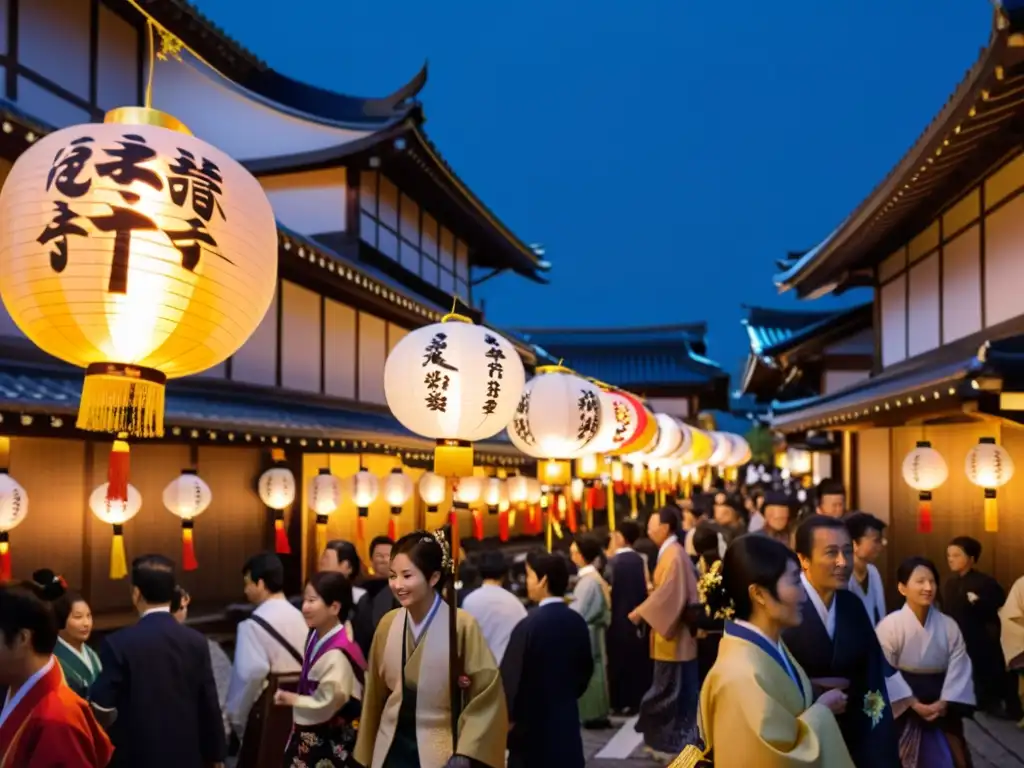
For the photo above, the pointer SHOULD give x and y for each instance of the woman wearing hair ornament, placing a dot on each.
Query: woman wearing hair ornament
(756, 705)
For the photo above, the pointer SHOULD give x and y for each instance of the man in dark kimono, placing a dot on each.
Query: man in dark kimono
(836, 643)
(629, 659)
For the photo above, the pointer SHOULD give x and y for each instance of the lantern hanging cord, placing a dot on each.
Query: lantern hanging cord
(151, 43)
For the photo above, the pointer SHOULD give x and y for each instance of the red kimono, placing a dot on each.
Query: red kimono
(51, 727)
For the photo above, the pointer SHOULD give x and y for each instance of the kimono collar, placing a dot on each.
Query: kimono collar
(623, 549)
(668, 543)
(827, 615)
(744, 630)
(551, 601)
(419, 629)
(81, 655)
(585, 570)
(11, 703)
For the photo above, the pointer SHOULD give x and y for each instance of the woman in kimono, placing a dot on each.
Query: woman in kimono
(926, 647)
(78, 661)
(429, 670)
(326, 707)
(1011, 617)
(709, 627)
(756, 704)
(592, 600)
(43, 723)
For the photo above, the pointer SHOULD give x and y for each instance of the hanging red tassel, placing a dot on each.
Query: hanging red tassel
(924, 512)
(478, 525)
(188, 550)
(393, 527)
(117, 471)
(361, 516)
(619, 487)
(281, 545)
(570, 513)
(589, 498)
(503, 525)
(5, 558)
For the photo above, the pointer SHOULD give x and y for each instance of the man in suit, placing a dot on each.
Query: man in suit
(156, 692)
(629, 660)
(546, 668)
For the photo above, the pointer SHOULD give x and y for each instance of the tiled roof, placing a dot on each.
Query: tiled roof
(554, 339)
(640, 370)
(768, 327)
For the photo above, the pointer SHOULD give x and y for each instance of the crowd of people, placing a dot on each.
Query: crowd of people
(736, 628)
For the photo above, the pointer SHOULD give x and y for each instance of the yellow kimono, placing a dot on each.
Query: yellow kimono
(753, 714)
(483, 725)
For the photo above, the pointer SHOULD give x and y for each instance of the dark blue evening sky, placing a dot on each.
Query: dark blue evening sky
(665, 152)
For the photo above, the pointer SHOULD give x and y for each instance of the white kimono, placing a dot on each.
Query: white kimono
(935, 647)
(874, 597)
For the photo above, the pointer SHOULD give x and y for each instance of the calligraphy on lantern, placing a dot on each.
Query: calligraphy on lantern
(589, 411)
(126, 168)
(437, 377)
(495, 369)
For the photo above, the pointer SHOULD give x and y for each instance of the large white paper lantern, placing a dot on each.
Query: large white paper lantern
(989, 466)
(723, 449)
(277, 489)
(433, 490)
(138, 252)
(187, 496)
(13, 510)
(115, 513)
(558, 415)
(456, 383)
(741, 452)
(672, 437)
(924, 470)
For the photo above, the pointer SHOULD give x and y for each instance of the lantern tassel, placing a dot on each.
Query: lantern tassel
(361, 528)
(503, 522)
(393, 527)
(590, 498)
(118, 466)
(611, 507)
(122, 399)
(5, 558)
(991, 511)
(570, 513)
(281, 545)
(478, 525)
(321, 534)
(453, 524)
(633, 512)
(118, 558)
(188, 550)
(924, 512)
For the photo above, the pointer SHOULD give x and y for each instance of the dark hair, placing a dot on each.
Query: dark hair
(630, 531)
(670, 516)
(179, 598)
(346, 552)
(970, 546)
(705, 542)
(553, 567)
(830, 487)
(859, 523)
(911, 564)
(491, 564)
(63, 606)
(589, 547)
(380, 541)
(426, 554)
(749, 561)
(28, 605)
(333, 587)
(153, 575)
(805, 531)
(268, 568)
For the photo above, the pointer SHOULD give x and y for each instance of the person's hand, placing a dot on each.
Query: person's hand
(972, 597)
(926, 712)
(285, 698)
(834, 699)
(940, 708)
(635, 617)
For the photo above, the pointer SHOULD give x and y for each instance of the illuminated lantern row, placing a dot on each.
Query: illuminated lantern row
(115, 513)
(987, 465)
(324, 498)
(13, 510)
(397, 490)
(187, 497)
(276, 488)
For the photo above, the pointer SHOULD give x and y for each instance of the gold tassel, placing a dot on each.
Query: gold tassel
(610, 496)
(991, 511)
(633, 512)
(118, 558)
(122, 399)
(549, 531)
(690, 757)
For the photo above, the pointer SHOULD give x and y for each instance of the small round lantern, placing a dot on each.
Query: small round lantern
(276, 488)
(116, 512)
(924, 470)
(13, 510)
(433, 490)
(671, 437)
(798, 462)
(468, 492)
(187, 496)
(989, 466)
(362, 488)
(324, 496)
(496, 497)
(741, 453)
(397, 490)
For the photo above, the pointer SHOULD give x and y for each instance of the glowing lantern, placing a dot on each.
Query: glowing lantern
(989, 466)
(13, 510)
(397, 490)
(456, 383)
(671, 437)
(468, 492)
(588, 466)
(138, 252)
(798, 462)
(276, 487)
(433, 490)
(741, 452)
(723, 449)
(362, 488)
(116, 512)
(187, 496)
(496, 497)
(324, 498)
(534, 492)
(576, 489)
(641, 426)
(924, 470)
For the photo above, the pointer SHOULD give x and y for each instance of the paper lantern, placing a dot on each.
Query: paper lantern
(670, 436)
(13, 510)
(741, 452)
(798, 461)
(924, 470)
(362, 488)
(456, 383)
(554, 472)
(116, 512)
(397, 489)
(576, 489)
(518, 489)
(989, 466)
(433, 490)
(558, 415)
(137, 252)
(589, 466)
(323, 494)
(534, 492)
(469, 491)
(277, 488)
(495, 494)
(187, 496)
(641, 426)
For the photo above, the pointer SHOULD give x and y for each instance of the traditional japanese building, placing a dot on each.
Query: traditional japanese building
(377, 235)
(939, 242)
(667, 364)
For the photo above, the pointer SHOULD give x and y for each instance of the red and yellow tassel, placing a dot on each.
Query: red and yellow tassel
(991, 511)
(924, 512)
(281, 545)
(503, 525)
(188, 550)
(118, 556)
(5, 557)
(478, 525)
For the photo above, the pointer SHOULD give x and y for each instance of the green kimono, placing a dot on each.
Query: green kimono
(591, 601)
(80, 669)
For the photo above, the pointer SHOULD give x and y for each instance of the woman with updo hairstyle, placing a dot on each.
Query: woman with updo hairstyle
(43, 722)
(433, 695)
(80, 663)
(756, 704)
